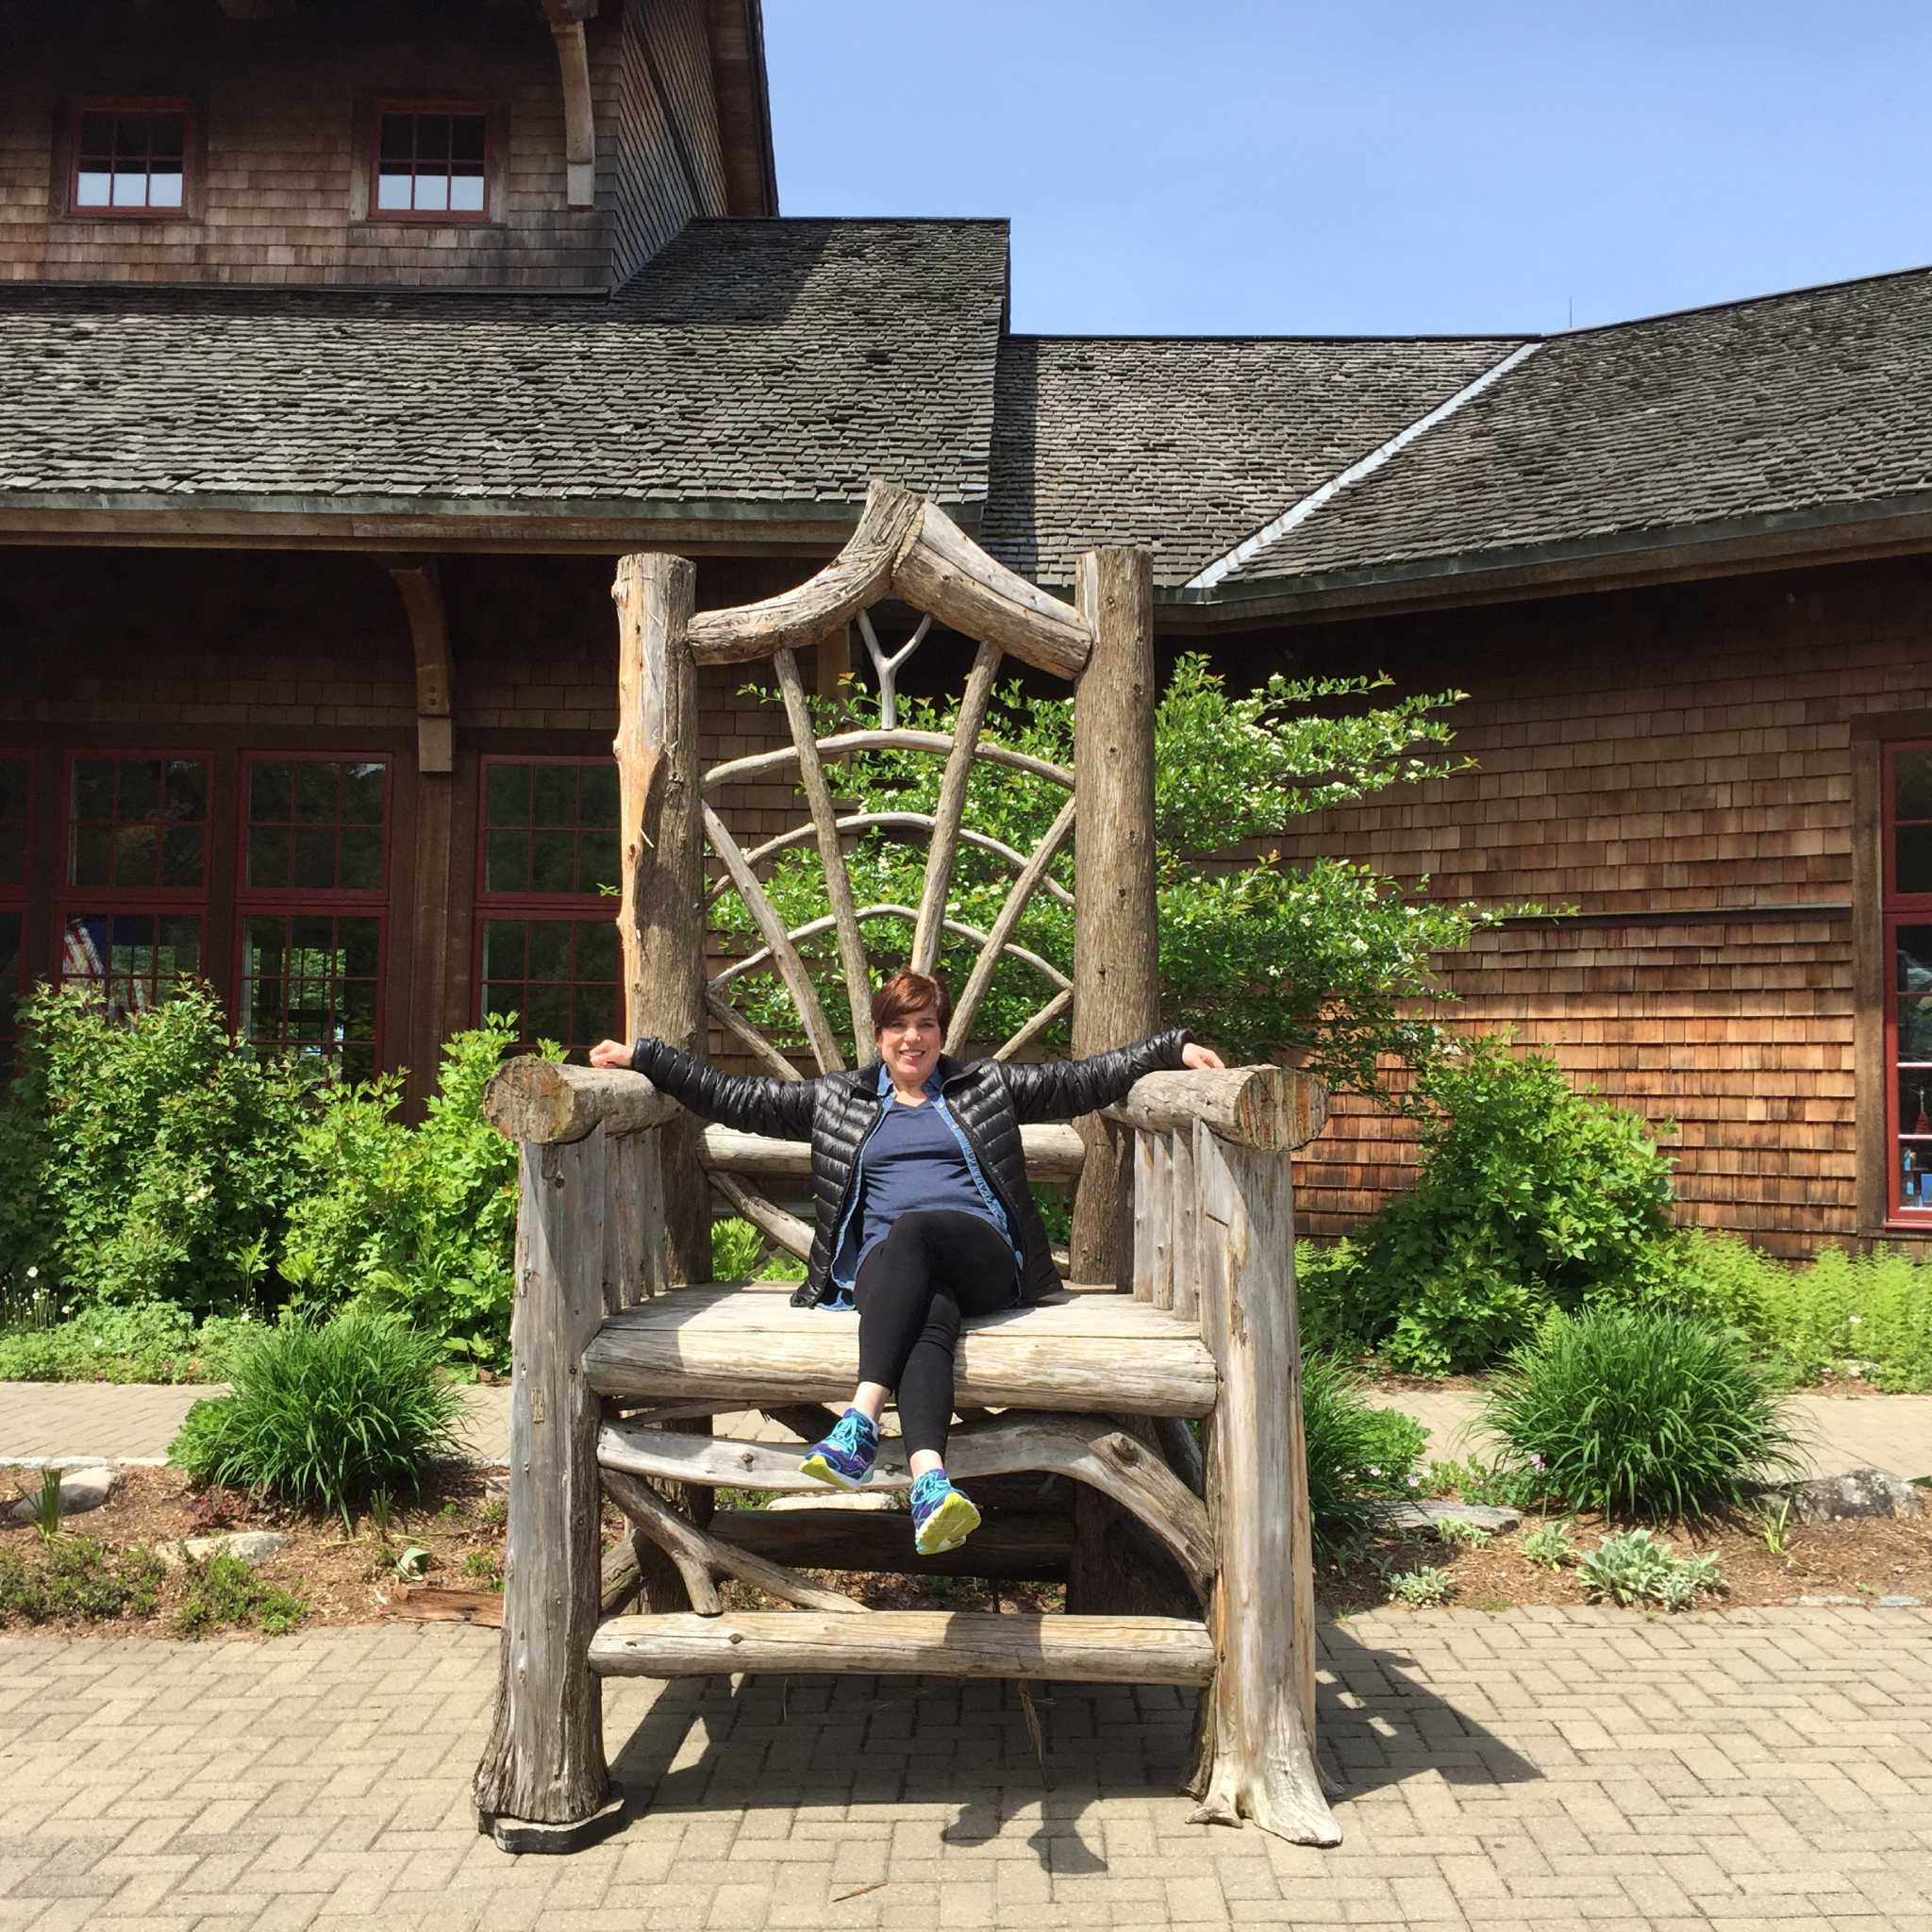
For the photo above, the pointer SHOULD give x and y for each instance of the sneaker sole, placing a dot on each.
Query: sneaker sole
(821, 1471)
(947, 1527)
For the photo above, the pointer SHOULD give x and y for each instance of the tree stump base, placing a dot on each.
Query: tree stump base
(521, 1834)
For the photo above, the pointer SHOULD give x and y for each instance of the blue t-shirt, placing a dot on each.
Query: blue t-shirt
(912, 1161)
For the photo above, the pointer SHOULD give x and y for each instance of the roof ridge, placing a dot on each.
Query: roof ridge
(1599, 329)
(1306, 506)
(1508, 335)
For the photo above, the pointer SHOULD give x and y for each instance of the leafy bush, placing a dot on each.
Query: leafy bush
(223, 1592)
(1549, 1547)
(1358, 1455)
(1875, 1309)
(147, 1160)
(1530, 1197)
(737, 1248)
(325, 1415)
(79, 1578)
(1632, 1569)
(418, 1220)
(1328, 1299)
(143, 1342)
(1642, 1412)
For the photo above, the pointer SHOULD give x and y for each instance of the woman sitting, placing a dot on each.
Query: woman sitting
(922, 1208)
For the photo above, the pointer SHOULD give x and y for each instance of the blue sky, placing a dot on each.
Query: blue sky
(1378, 167)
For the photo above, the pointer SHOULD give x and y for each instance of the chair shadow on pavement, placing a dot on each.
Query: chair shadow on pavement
(775, 1743)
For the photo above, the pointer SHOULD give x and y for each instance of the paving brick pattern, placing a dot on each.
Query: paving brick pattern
(1542, 1767)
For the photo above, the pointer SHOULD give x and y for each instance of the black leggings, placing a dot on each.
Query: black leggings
(933, 1266)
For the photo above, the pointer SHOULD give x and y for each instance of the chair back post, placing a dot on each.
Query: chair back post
(1116, 953)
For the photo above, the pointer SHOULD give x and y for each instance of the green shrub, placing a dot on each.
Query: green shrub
(1329, 1298)
(223, 1592)
(147, 1160)
(1530, 1197)
(1637, 1412)
(418, 1220)
(1421, 1586)
(1632, 1569)
(1549, 1547)
(80, 1577)
(737, 1248)
(152, 1342)
(325, 1415)
(1358, 1455)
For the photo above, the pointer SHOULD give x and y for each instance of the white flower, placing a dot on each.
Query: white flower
(34, 1275)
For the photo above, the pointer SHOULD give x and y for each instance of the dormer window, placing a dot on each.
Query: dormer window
(130, 157)
(431, 160)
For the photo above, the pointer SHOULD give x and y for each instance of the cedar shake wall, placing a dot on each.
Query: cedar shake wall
(281, 134)
(1674, 750)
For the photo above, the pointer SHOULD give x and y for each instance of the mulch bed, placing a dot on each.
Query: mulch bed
(353, 1579)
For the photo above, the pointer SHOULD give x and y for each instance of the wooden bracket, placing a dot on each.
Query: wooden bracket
(567, 18)
(417, 584)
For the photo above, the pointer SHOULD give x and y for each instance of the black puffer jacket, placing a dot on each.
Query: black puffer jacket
(990, 1099)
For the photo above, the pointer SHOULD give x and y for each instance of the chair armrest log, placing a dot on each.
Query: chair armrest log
(1274, 1109)
(546, 1101)
(1053, 1152)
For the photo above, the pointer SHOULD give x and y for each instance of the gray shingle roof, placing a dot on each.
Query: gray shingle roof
(1192, 443)
(1773, 406)
(754, 360)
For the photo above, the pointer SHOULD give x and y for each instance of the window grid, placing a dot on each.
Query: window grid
(129, 159)
(430, 162)
(16, 841)
(311, 904)
(131, 908)
(545, 944)
(1907, 921)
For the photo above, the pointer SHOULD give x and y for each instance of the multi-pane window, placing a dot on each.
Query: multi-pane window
(133, 898)
(130, 157)
(311, 906)
(16, 790)
(1908, 951)
(429, 161)
(546, 933)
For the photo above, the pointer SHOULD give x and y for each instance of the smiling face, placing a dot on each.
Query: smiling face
(910, 1046)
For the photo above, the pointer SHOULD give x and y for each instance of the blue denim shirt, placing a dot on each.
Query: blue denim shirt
(844, 1273)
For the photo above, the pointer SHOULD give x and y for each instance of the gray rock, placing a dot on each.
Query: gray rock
(1858, 1493)
(1426, 1515)
(1900, 1603)
(250, 1546)
(1827, 1603)
(80, 1490)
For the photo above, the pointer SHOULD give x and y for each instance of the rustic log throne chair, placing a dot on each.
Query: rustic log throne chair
(623, 1353)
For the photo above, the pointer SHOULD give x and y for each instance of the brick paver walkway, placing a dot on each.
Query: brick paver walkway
(97, 1419)
(1540, 1767)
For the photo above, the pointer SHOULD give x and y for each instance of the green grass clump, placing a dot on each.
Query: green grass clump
(325, 1416)
(224, 1593)
(1635, 1412)
(1358, 1454)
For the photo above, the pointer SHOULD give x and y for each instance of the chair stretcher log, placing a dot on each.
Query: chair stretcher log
(940, 1643)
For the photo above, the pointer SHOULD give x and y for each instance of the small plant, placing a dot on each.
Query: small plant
(213, 1510)
(46, 1502)
(323, 1416)
(1488, 1483)
(82, 1579)
(1470, 1536)
(483, 1567)
(223, 1593)
(1634, 1569)
(1422, 1586)
(1358, 1456)
(1549, 1547)
(496, 1512)
(1775, 1525)
(1641, 1412)
(737, 1248)
(381, 1509)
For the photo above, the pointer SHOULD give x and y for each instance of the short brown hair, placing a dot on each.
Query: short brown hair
(908, 993)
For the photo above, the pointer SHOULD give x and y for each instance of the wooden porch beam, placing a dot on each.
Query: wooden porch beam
(567, 18)
(417, 584)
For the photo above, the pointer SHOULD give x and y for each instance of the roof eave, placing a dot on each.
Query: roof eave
(715, 526)
(1783, 539)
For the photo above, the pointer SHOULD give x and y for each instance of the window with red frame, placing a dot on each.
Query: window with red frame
(546, 938)
(16, 774)
(311, 906)
(130, 157)
(132, 905)
(430, 162)
(1907, 949)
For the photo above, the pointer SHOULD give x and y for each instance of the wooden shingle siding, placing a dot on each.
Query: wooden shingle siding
(1678, 751)
(283, 120)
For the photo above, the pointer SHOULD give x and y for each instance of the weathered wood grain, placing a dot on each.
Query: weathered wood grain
(543, 1102)
(1274, 1109)
(765, 764)
(951, 806)
(1053, 1150)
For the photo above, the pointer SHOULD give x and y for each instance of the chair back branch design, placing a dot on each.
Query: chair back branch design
(1184, 1198)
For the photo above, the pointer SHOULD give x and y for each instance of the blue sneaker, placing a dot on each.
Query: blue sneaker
(943, 1517)
(845, 1457)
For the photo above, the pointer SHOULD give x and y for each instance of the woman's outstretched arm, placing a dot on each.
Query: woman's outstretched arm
(753, 1103)
(1059, 1090)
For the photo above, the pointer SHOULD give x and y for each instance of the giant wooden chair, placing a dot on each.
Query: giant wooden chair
(622, 1352)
